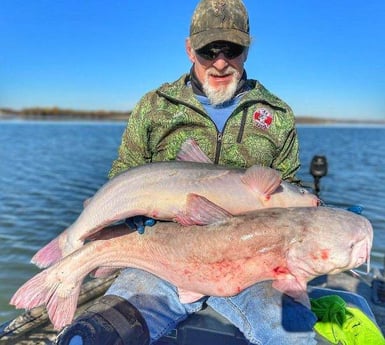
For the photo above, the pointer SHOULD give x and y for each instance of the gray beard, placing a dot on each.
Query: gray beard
(222, 94)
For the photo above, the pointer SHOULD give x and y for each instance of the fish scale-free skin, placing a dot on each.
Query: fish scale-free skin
(161, 190)
(284, 245)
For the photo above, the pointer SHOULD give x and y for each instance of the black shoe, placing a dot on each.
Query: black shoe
(110, 321)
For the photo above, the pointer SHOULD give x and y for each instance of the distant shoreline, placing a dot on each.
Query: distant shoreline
(63, 114)
(58, 114)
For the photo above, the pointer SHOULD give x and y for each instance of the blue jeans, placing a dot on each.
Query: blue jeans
(263, 315)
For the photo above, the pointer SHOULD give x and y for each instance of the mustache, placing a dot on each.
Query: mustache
(214, 72)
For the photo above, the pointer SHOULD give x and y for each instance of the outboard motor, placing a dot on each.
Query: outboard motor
(318, 169)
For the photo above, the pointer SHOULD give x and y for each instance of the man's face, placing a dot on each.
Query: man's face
(219, 67)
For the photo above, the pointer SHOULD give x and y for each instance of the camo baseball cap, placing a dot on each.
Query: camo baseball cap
(219, 20)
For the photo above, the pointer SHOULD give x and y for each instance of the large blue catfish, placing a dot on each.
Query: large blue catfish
(164, 190)
(287, 245)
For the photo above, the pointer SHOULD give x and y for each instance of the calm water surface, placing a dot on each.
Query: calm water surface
(47, 170)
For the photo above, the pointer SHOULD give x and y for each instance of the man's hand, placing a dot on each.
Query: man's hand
(356, 209)
(139, 223)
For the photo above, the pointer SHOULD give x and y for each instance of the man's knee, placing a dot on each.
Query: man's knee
(110, 321)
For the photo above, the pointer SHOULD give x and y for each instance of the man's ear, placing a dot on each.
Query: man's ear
(189, 50)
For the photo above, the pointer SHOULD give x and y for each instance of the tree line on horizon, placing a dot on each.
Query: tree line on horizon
(56, 111)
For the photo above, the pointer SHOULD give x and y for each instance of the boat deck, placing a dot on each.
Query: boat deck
(33, 327)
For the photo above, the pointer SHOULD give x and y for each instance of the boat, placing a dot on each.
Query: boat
(204, 327)
(364, 290)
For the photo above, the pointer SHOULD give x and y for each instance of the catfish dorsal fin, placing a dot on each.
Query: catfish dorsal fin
(262, 179)
(191, 152)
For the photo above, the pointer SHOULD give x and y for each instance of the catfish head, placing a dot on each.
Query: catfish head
(288, 194)
(328, 241)
(331, 243)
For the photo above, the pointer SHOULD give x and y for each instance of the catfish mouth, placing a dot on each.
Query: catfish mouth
(362, 249)
(361, 246)
(360, 255)
(365, 254)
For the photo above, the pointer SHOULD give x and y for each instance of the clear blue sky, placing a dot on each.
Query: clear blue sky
(324, 58)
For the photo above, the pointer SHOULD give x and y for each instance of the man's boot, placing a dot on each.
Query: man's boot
(110, 321)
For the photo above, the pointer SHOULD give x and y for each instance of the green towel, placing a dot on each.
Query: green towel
(344, 325)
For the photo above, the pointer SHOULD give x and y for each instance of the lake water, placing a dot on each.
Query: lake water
(47, 170)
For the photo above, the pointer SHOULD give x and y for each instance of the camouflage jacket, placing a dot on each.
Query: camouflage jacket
(260, 130)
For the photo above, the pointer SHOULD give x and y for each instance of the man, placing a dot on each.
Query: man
(236, 122)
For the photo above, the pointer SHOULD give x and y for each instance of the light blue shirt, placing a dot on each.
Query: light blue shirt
(221, 112)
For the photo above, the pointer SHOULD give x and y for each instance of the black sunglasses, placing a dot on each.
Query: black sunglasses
(212, 50)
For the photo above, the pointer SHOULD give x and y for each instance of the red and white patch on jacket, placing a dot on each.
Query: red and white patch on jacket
(263, 118)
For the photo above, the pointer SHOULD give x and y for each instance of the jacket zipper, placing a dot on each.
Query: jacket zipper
(242, 125)
(218, 146)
